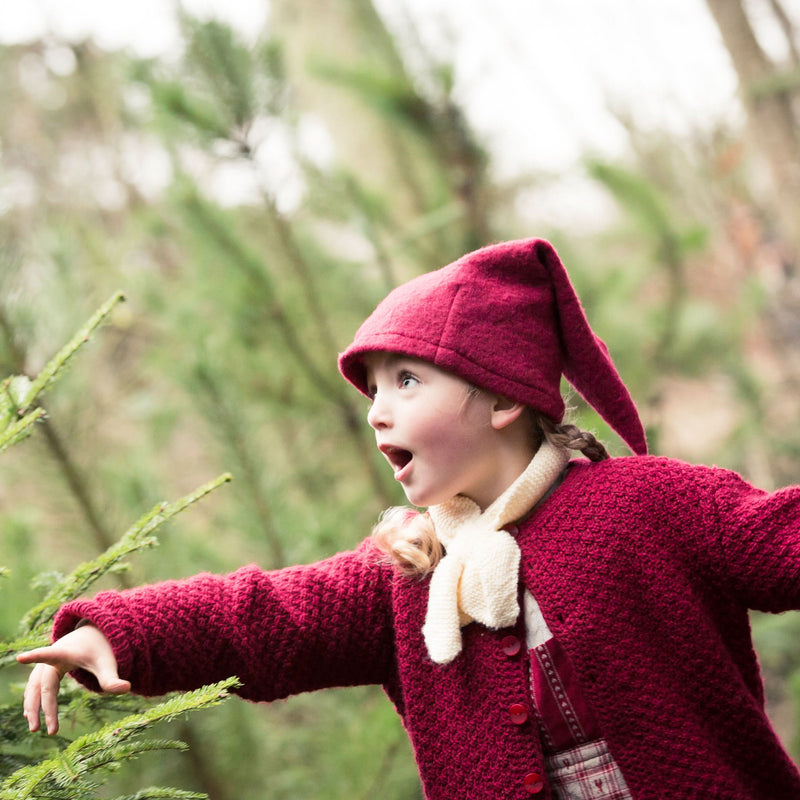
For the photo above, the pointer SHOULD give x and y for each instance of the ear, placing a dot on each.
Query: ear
(505, 411)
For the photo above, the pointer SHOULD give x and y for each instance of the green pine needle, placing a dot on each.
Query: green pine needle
(157, 792)
(19, 393)
(68, 770)
(46, 377)
(137, 538)
(20, 429)
(103, 750)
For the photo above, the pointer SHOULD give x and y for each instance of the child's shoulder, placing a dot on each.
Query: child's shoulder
(650, 475)
(653, 495)
(644, 467)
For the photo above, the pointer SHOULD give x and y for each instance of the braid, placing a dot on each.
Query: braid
(570, 436)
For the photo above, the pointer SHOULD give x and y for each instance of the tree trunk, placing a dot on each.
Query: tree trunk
(767, 93)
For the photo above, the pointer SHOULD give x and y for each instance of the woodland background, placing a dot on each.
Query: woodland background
(223, 357)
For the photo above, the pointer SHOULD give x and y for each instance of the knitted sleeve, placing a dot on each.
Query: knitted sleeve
(759, 542)
(281, 633)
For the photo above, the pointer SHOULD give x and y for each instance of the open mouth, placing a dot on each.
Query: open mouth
(397, 457)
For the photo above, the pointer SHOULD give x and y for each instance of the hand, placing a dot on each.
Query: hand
(85, 647)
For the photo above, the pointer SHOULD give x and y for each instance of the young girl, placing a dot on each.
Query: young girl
(552, 627)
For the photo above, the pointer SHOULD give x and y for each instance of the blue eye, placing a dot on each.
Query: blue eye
(407, 379)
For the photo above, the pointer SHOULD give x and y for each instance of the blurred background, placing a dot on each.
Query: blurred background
(256, 176)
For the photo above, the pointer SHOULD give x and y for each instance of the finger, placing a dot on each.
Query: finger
(35, 656)
(31, 700)
(49, 682)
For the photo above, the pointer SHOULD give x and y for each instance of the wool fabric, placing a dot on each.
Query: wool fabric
(505, 318)
(478, 578)
(644, 569)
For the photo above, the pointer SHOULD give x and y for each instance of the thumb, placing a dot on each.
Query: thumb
(107, 676)
(113, 684)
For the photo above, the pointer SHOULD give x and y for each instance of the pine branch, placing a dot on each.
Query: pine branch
(78, 704)
(156, 792)
(17, 431)
(137, 538)
(19, 393)
(69, 772)
(19, 748)
(47, 376)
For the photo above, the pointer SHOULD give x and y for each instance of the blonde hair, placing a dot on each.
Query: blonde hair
(407, 536)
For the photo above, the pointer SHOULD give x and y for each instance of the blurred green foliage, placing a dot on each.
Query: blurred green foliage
(255, 201)
(59, 767)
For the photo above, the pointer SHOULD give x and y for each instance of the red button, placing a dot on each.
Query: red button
(533, 783)
(518, 713)
(511, 645)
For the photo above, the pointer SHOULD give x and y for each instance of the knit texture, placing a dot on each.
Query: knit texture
(643, 568)
(478, 578)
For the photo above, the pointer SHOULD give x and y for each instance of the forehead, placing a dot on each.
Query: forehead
(374, 362)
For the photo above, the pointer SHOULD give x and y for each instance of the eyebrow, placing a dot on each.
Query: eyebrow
(393, 358)
(390, 361)
(390, 358)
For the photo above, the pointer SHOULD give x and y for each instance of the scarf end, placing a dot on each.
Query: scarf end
(442, 649)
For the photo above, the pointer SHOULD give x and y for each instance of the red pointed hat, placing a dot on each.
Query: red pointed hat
(506, 319)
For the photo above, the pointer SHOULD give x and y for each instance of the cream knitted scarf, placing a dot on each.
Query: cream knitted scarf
(477, 578)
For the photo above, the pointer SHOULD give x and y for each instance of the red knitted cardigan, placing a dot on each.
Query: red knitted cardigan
(644, 569)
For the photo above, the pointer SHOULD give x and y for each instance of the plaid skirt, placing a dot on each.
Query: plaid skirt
(586, 772)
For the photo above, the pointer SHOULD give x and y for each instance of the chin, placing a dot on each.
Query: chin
(425, 499)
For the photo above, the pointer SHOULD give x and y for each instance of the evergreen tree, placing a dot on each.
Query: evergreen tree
(63, 767)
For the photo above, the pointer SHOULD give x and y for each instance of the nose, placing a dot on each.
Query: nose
(378, 415)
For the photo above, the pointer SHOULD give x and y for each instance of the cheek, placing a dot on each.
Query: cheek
(460, 439)
(475, 419)
(438, 435)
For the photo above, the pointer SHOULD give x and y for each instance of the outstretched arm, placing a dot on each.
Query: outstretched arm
(84, 648)
(293, 630)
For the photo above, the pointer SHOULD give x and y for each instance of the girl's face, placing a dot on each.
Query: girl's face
(435, 432)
